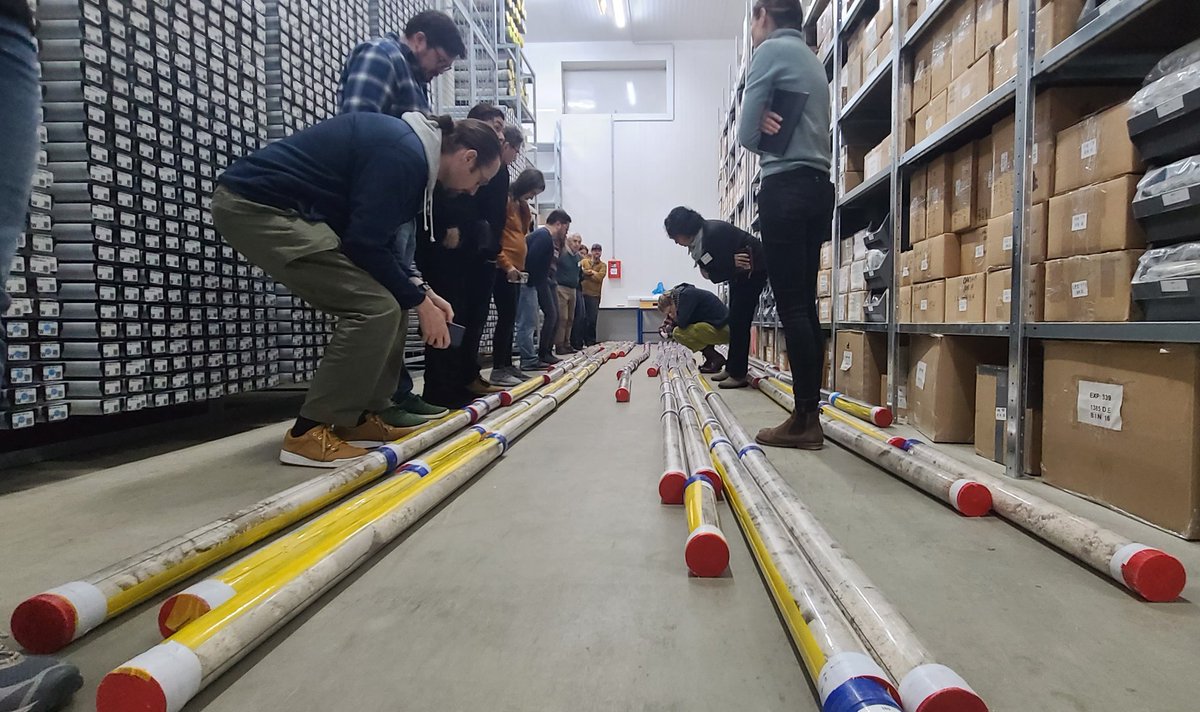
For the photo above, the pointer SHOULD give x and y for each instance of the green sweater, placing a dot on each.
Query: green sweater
(785, 61)
(568, 270)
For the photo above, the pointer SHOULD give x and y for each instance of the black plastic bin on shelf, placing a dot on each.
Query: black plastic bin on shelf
(876, 313)
(1169, 300)
(880, 238)
(1169, 131)
(1170, 217)
(880, 278)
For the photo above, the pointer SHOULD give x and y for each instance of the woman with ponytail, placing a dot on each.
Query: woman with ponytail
(319, 211)
(795, 202)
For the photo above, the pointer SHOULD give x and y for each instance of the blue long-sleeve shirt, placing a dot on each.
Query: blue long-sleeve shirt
(362, 174)
(380, 77)
(541, 254)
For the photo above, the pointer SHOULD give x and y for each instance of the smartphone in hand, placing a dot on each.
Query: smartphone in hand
(456, 334)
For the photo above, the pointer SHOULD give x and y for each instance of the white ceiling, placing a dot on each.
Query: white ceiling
(649, 20)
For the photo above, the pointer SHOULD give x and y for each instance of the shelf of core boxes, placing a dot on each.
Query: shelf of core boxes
(973, 123)
(862, 326)
(813, 12)
(933, 12)
(876, 91)
(857, 11)
(955, 329)
(1123, 40)
(874, 187)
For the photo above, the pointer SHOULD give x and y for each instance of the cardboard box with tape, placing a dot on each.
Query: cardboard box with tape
(999, 249)
(859, 358)
(929, 302)
(965, 299)
(941, 384)
(1094, 150)
(998, 299)
(1119, 427)
(1095, 218)
(991, 420)
(936, 258)
(1092, 287)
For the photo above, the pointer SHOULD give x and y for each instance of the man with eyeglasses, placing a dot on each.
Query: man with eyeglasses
(391, 75)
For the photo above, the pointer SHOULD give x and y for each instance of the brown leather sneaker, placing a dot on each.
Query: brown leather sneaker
(481, 387)
(801, 431)
(372, 432)
(319, 447)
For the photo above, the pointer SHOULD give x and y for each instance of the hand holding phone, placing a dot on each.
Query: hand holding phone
(456, 334)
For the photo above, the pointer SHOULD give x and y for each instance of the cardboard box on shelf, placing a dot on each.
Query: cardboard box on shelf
(965, 299)
(941, 384)
(991, 26)
(858, 278)
(879, 158)
(938, 186)
(936, 258)
(991, 420)
(940, 70)
(843, 279)
(848, 181)
(1095, 218)
(855, 301)
(1014, 14)
(859, 359)
(883, 20)
(885, 45)
(905, 305)
(962, 196)
(1094, 150)
(1000, 238)
(1103, 415)
(968, 88)
(916, 205)
(962, 45)
(1056, 110)
(871, 60)
(824, 283)
(921, 77)
(839, 306)
(1055, 22)
(929, 302)
(906, 268)
(827, 255)
(846, 251)
(1004, 139)
(998, 308)
(983, 181)
(931, 117)
(1092, 287)
(1004, 60)
(825, 310)
(972, 257)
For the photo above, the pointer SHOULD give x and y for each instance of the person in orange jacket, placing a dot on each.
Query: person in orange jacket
(510, 275)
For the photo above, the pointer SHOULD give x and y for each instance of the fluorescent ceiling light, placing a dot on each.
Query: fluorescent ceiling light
(619, 10)
(603, 6)
(631, 93)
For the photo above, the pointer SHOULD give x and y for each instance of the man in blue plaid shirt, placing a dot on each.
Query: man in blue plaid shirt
(391, 75)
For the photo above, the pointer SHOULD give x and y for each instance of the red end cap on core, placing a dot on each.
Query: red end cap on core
(671, 486)
(1155, 575)
(952, 699)
(706, 554)
(505, 399)
(882, 416)
(652, 372)
(44, 624)
(125, 692)
(973, 500)
(622, 395)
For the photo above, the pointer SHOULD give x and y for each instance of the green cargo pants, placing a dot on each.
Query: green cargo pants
(700, 336)
(366, 354)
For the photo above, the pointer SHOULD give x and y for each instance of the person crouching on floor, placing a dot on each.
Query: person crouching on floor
(700, 321)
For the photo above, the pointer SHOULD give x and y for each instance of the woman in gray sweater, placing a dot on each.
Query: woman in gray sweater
(795, 203)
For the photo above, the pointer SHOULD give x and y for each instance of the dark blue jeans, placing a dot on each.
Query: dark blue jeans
(796, 213)
(18, 147)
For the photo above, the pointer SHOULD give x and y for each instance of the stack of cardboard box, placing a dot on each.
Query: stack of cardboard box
(868, 47)
(958, 61)
(825, 279)
(825, 30)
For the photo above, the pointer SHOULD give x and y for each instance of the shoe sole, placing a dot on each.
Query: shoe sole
(291, 458)
(725, 386)
(790, 446)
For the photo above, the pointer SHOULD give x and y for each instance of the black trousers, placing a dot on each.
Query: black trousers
(504, 294)
(591, 307)
(478, 299)
(462, 278)
(579, 325)
(547, 297)
(744, 293)
(796, 214)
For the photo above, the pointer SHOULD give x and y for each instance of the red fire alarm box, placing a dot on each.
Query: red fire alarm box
(614, 269)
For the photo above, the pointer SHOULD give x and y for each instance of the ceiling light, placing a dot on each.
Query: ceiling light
(631, 93)
(603, 6)
(619, 10)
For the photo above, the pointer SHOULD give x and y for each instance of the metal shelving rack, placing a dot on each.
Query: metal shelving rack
(1118, 45)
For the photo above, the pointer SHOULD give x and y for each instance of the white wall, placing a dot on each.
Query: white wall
(621, 177)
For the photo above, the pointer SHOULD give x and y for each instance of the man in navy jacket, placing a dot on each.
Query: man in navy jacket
(540, 293)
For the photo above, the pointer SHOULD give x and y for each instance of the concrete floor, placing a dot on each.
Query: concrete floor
(555, 581)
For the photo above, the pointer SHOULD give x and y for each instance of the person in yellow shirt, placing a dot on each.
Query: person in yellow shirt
(595, 270)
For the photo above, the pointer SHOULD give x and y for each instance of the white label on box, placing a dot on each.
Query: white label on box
(925, 264)
(1170, 106)
(920, 379)
(979, 252)
(1006, 243)
(1001, 413)
(924, 304)
(847, 360)
(1006, 296)
(1099, 404)
(1079, 289)
(1034, 157)
(1177, 196)
(966, 92)
(1173, 285)
(962, 305)
(1006, 162)
(1087, 149)
(960, 186)
(904, 272)
(1079, 222)
(901, 397)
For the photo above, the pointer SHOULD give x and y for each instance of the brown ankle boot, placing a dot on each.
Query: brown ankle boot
(800, 430)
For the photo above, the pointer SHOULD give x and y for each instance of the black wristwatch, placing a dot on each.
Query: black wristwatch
(424, 287)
